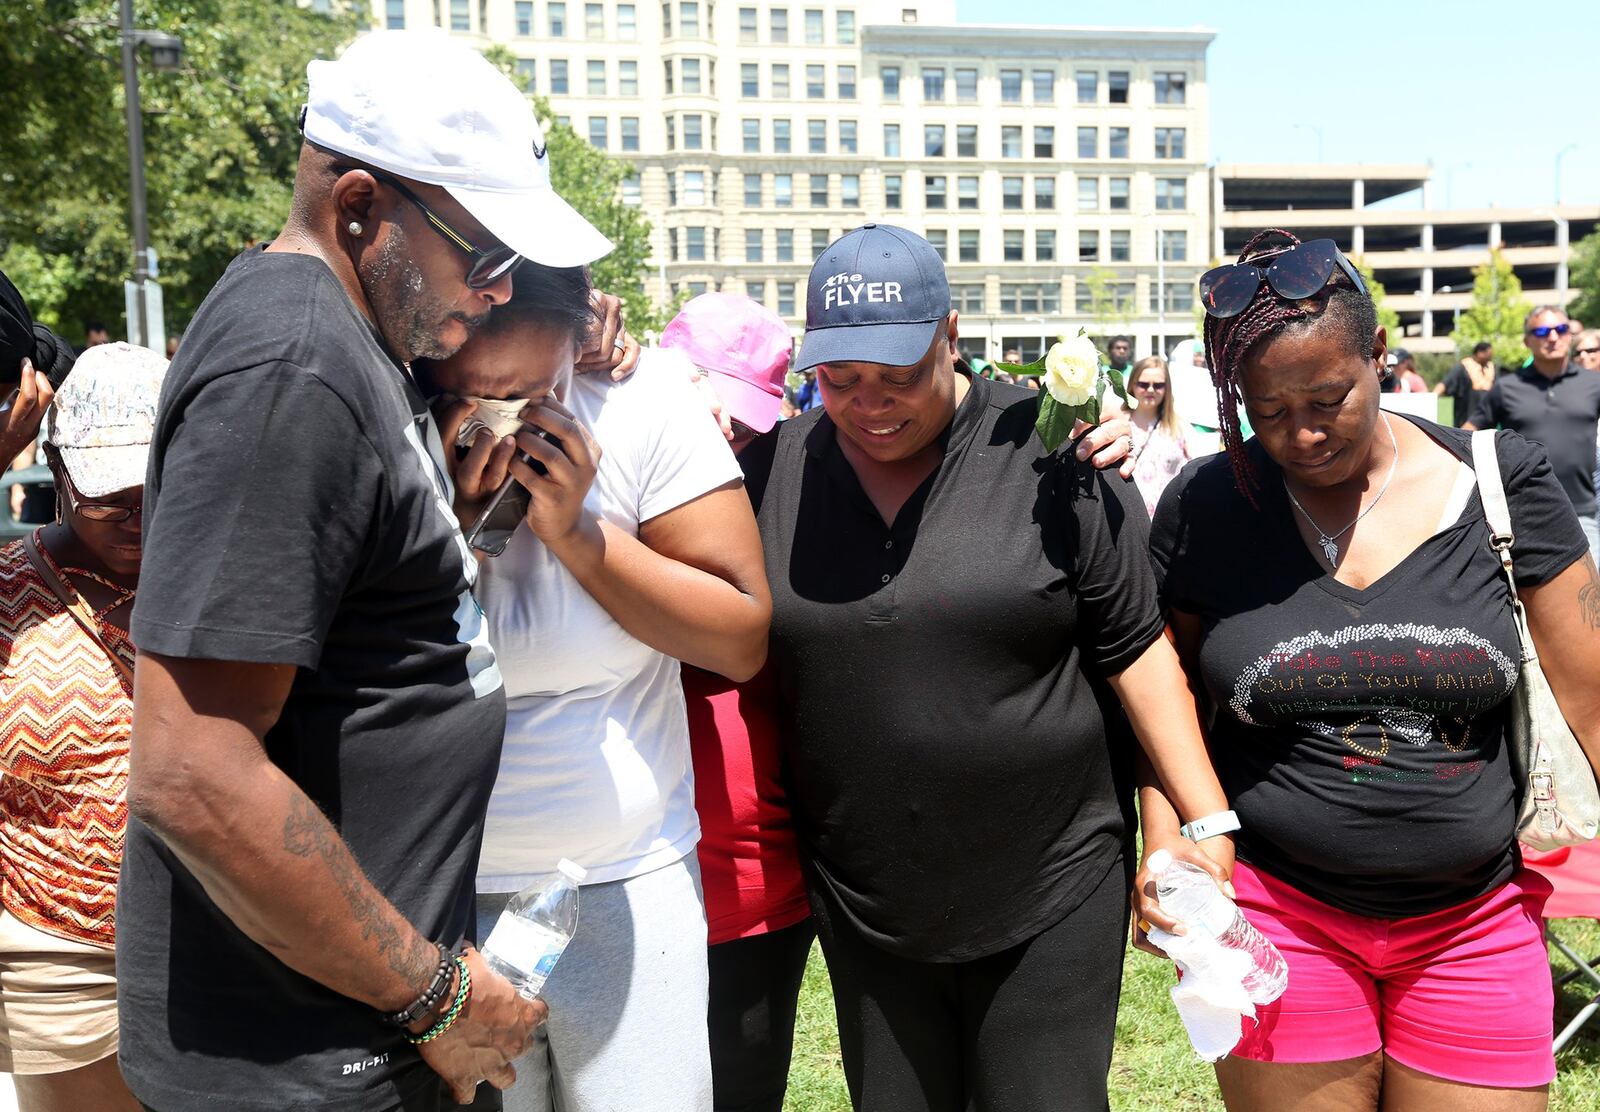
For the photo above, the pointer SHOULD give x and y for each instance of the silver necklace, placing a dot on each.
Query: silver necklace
(1329, 545)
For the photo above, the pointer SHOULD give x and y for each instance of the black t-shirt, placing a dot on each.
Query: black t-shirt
(1459, 389)
(297, 511)
(1560, 413)
(951, 774)
(1359, 733)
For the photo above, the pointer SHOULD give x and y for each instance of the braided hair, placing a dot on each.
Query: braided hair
(1229, 340)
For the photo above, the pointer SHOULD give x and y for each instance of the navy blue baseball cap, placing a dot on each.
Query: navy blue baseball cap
(876, 295)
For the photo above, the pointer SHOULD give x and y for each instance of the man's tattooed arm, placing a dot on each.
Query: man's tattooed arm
(1589, 598)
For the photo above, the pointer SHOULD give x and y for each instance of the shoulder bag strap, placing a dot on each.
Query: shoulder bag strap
(1486, 462)
(73, 602)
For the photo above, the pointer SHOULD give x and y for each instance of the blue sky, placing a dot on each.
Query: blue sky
(1461, 83)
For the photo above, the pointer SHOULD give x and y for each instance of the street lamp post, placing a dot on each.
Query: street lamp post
(1562, 153)
(1455, 312)
(166, 53)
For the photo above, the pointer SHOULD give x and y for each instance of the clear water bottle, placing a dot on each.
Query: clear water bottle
(1190, 895)
(534, 929)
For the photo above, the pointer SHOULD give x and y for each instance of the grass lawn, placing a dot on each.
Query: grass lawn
(1154, 1070)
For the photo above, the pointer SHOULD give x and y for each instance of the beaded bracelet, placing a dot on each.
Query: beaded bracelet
(463, 994)
(431, 996)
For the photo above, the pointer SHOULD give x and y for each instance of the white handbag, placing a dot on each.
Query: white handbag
(1560, 801)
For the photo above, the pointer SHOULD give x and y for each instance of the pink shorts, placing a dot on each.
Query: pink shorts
(1463, 994)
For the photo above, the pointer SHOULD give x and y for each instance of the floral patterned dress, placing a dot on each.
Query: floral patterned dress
(1159, 457)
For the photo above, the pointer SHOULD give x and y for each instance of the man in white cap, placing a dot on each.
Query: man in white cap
(318, 714)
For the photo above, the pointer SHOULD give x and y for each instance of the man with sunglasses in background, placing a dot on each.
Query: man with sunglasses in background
(318, 714)
(1554, 403)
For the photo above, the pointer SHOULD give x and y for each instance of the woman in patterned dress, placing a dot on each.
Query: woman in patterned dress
(66, 712)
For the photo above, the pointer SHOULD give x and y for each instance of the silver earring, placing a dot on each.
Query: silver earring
(355, 227)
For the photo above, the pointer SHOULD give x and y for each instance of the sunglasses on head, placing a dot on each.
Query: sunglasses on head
(1544, 330)
(487, 268)
(1294, 274)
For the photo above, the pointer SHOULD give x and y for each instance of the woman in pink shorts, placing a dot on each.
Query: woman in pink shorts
(1331, 590)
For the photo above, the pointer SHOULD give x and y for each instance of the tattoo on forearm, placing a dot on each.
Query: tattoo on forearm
(1589, 598)
(308, 833)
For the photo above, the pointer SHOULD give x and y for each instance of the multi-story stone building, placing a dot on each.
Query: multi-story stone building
(1061, 171)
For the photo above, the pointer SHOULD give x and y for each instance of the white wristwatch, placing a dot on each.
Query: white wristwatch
(1223, 822)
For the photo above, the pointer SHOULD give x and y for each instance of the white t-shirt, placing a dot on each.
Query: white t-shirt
(596, 760)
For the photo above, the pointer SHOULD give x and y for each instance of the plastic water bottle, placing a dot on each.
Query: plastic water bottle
(1190, 895)
(534, 929)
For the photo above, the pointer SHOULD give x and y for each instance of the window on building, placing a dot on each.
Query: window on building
(1170, 142)
(933, 191)
(1172, 194)
(594, 21)
(672, 141)
(752, 191)
(666, 18)
(1011, 142)
(780, 137)
(1011, 193)
(395, 15)
(756, 291)
(778, 24)
(630, 189)
(1010, 86)
(630, 133)
(891, 191)
(1030, 297)
(556, 19)
(783, 190)
(819, 191)
(933, 140)
(693, 139)
(848, 144)
(666, 73)
(816, 83)
(1044, 142)
(1044, 245)
(1088, 142)
(817, 136)
(1088, 245)
(1179, 297)
(1117, 142)
(967, 245)
(939, 239)
(751, 130)
(690, 69)
(694, 245)
(627, 22)
(1044, 86)
(847, 82)
(1117, 194)
(1044, 193)
(1117, 87)
(672, 244)
(967, 140)
(1174, 245)
(967, 193)
(597, 132)
(849, 191)
(780, 80)
(628, 78)
(752, 245)
(1012, 250)
(786, 295)
(1121, 246)
(597, 78)
(689, 18)
(1088, 194)
(558, 76)
(889, 78)
(460, 16)
(967, 297)
(844, 27)
(819, 241)
(966, 85)
(1088, 86)
(528, 74)
(814, 25)
(694, 187)
(747, 25)
(785, 244)
(1171, 88)
(891, 140)
(749, 79)
(933, 84)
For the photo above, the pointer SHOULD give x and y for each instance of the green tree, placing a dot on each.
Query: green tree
(1496, 314)
(1108, 311)
(1388, 319)
(1584, 278)
(221, 141)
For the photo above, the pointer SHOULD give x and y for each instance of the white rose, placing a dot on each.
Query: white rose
(1071, 369)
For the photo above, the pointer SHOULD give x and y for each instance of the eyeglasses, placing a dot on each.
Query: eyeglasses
(1295, 273)
(1149, 385)
(1544, 330)
(1587, 351)
(487, 268)
(107, 512)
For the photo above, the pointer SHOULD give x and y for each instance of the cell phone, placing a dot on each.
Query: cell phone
(506, 508)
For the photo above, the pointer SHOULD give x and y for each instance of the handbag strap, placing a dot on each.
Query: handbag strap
(73, 602)
(1491, 488)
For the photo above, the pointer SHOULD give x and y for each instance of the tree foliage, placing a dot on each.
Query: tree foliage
(1388, 319)
(221, 140)
(1496, 314)
(1584, 278)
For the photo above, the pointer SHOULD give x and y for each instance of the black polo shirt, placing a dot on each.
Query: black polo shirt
(951, 778)
(1560, 413)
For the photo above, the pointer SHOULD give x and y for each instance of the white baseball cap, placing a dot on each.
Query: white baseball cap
(427, 108)
(104, 416)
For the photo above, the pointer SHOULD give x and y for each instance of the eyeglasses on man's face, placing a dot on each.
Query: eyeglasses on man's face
(488, 266)
(1543, 331)
(107, 512)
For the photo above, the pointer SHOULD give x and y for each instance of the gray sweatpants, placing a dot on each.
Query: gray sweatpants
(627, 1027)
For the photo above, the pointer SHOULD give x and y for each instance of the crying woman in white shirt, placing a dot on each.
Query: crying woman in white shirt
(638, 550)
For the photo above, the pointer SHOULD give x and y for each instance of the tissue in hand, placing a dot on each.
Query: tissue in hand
(1210, 997)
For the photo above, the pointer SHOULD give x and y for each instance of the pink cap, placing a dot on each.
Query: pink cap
(744, 344)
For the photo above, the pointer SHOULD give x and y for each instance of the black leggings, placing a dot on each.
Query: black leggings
(755, 987)
(1026, 1030)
